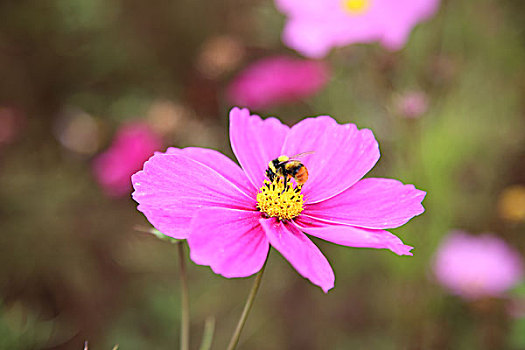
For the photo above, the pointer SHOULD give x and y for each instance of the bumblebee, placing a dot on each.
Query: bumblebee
(288, 168)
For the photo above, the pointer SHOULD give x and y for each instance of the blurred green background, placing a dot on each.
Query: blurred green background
(74, 266)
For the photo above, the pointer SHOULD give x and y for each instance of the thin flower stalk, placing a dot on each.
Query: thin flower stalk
(247, 307)
(207, 336)
(185, 302)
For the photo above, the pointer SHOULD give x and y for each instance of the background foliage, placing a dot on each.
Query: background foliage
(73, 265)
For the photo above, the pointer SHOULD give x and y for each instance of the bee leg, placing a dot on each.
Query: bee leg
(269, 175)
(285, 183)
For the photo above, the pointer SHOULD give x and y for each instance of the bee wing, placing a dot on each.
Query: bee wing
(295, 156)
(299, 155)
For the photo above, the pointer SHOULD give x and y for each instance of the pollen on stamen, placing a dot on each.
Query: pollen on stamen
(356, 7)
(278, 201)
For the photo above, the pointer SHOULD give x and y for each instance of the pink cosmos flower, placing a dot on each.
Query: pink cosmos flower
(315, 26)
(133, 144)
(231, 215)
(477, 266)
(277, 80)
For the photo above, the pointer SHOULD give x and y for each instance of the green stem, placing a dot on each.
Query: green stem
(207, 337)
(185, 313)
(247, 307)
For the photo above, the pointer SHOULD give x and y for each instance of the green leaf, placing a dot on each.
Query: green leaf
(158, 234)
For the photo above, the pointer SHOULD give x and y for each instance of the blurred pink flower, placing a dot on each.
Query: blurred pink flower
(277, 80)
(231, 215)
(133, 144)
(315, 26)
(412, 104)
(477, 266)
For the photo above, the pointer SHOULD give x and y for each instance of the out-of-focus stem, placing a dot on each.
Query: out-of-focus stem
(185, 302)
(247, 307)
(207, 337)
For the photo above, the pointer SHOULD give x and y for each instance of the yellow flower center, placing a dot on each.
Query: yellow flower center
(277, 201)
(356, 7)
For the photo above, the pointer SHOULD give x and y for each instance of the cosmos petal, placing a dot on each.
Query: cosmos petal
(230, 241)
(171, 187)
(395, 39)
(308, 8)
(353, 236)
(220, 163)
(371, 203)
(255, 142)
(395, 35)
(342, 155)
(300, 251)
(310, 41)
